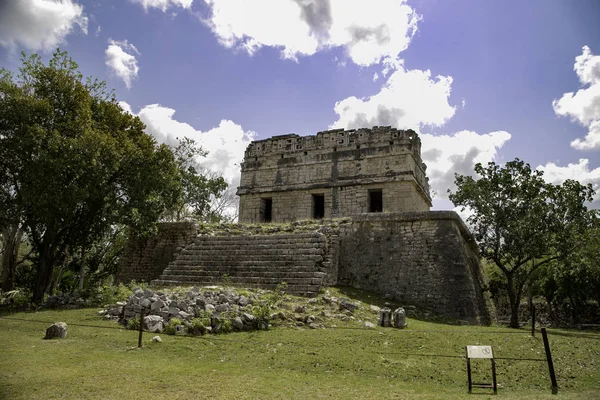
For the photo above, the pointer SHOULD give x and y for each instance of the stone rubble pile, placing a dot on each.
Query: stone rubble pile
(214, 306)
(223, 310)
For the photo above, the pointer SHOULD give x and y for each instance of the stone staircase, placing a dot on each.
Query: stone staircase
(299, 259)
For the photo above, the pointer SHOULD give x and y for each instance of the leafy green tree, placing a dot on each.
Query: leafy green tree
(199, 187)
(73, 163)
(569, 284)
(521, 222)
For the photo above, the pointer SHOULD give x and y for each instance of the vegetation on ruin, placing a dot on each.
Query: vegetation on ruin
(98, 359)
(523, 225)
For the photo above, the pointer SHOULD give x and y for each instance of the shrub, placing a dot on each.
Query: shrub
(18, 298)
(196, 327)
(169, 329)
(134, 323)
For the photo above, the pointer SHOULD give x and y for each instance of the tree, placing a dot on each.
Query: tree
(200, 188)
(73, 163)
(520, 222)
(569, 284)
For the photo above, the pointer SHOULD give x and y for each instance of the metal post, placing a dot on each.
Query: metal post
(533, 320)
(550, 364)
(141, 327)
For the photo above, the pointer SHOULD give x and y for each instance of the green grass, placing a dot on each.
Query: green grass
(424, 361)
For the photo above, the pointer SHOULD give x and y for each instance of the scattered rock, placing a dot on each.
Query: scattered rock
(58, 330)
(300, 309)
(399, 318)
(346, 305)
(156, 339)
(385, 317)
(375, 309)
(369, 325)
(153, 323)
(237, 323)
(244, 301)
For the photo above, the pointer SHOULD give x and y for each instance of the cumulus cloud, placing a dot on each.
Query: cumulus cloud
(164, 5)
(583, 106)
(580, 172)
(446, 155)
(368, 31)
(408, 100)
(225, 143)
(39, 24)
(120, 59)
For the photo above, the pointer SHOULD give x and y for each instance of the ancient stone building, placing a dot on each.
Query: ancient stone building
(333, 174)
(389, 242)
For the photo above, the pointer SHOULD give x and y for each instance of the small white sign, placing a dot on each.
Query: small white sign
(480, 352)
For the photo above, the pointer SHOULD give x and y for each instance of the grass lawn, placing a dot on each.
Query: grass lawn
(423, 361)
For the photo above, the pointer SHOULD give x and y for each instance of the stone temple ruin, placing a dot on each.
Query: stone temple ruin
(357, 203)
(334, 174)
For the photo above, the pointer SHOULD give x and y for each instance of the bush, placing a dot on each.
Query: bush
(134, 323)
(18, 298)
(169, 329)
(196, 327)
(262, 312)
(109, 293)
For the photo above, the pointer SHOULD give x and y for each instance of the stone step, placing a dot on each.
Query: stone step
(250, 279)
(307, 262)
(242, 254)
(304, 290)
(239, 273)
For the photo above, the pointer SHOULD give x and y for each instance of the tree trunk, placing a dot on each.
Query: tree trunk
(44, 275)
(12, 242)
(82, 270)
(514, 297)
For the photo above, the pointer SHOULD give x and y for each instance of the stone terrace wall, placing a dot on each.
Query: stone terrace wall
(144, 259)
(426, 259)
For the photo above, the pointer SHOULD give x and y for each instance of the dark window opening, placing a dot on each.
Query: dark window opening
(318, 201)
(375, 200)
(266, 210)
(391, 142)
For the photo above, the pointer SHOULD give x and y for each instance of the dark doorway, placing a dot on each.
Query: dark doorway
(266, 210)
(375, 200)
(318, 202)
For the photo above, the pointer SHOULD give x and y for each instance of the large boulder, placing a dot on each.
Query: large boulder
(56, 330)
(399, 318)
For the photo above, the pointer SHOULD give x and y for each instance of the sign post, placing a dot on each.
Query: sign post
(481, 352)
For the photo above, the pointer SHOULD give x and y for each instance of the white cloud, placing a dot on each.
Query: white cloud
(446, 155)
(369, 31)
(39, 24)
(583, 106)
(164, 5)
(580, 172)
(408, 100)
(120, 59)
(225, 143)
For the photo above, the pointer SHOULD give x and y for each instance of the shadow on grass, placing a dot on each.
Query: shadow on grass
(580, 335)
(391, 303)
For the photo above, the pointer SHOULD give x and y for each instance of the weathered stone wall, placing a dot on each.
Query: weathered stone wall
(144, 259)
(341, 165)
(426, 259)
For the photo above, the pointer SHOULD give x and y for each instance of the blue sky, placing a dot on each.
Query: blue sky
(479, 80)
